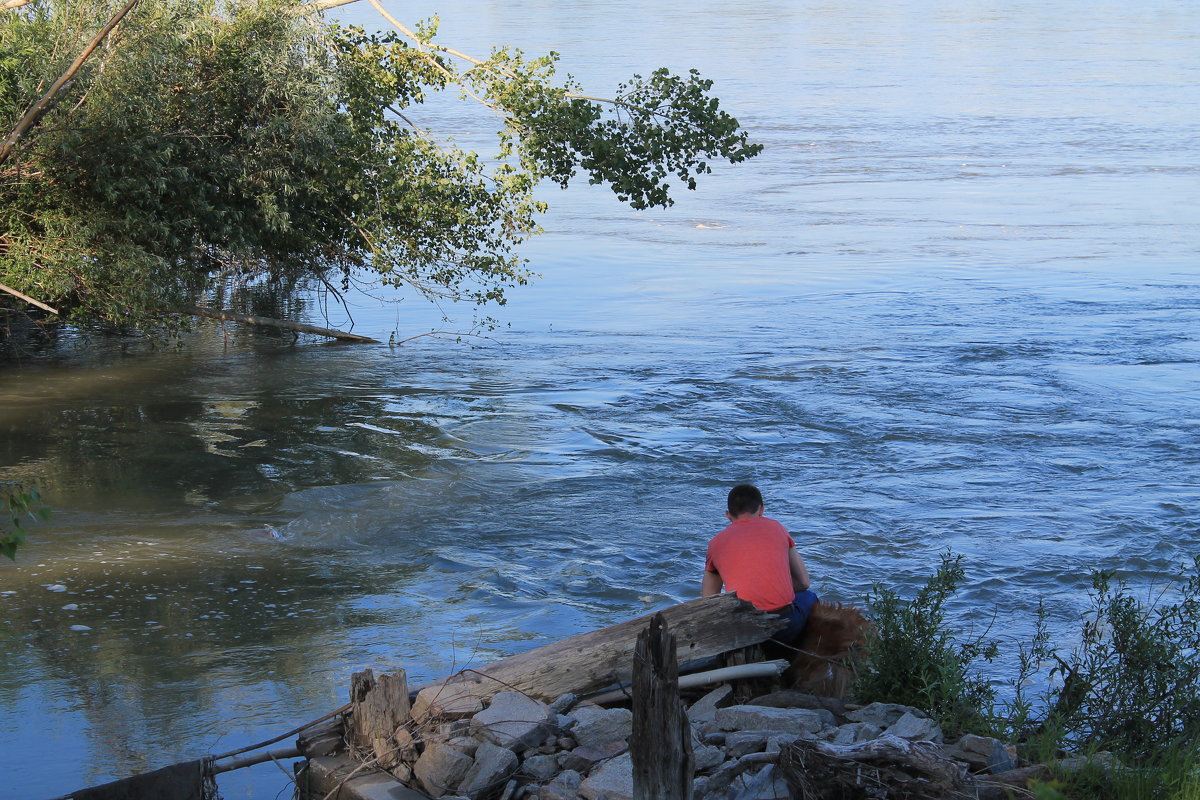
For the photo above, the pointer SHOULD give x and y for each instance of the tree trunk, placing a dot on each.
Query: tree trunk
(661, 745)
(379, 706)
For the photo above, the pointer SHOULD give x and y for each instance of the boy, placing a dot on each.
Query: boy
(756, 558)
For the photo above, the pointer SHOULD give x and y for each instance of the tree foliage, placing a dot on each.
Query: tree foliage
(18, 505)
(208, 142)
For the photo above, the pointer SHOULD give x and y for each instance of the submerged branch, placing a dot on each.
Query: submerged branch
(271, 322)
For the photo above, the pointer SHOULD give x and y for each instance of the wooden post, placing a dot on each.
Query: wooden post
(661, 745)
(379, 707)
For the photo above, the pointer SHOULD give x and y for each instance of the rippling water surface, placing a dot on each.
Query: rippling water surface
(954, 304)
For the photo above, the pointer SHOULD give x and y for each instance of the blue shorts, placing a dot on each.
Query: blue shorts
(796, 615)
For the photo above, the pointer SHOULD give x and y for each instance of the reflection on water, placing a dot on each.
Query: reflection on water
(954, 304)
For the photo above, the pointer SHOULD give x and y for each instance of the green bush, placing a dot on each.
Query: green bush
(915, 660)
(1130, 687)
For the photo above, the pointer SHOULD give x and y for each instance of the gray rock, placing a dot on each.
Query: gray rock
(763, 718)
(915, 729)
(441, 768)
(563, 703)
(564, 722)
(778, 741)
(464, 744)
(493, 766)
(565, 786)
(740, 743)
(855, 732)
(540, 768)
(706, 757)
(984, 753)
(583, 758)
(705, 708)
(883, 714)
(762, 784)
(513, 721)
(612, 780)
(596, 726)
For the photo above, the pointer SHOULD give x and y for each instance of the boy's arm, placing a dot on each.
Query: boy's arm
(800, 579)
(711, 584)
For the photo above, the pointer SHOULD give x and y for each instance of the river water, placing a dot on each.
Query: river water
(954, 304)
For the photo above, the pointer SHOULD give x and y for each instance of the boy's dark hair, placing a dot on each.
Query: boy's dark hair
(744, 499)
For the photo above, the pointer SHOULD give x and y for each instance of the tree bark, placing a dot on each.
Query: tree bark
(378, 707)
(591, 661)
(661, 745)
(271, 322)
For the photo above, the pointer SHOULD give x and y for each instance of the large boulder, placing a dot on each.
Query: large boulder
(493, 766)
(612, 780)
(513, 720)
(596, 726)
(441, 768)
(803, 721)
(883, 714)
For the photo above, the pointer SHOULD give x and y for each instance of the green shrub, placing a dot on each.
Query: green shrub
(1131, 687)
(913, 658)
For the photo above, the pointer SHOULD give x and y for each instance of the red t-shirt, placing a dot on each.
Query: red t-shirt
(751, 556)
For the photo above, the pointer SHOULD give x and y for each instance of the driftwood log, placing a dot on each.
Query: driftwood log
(592, 661)
(887, 767)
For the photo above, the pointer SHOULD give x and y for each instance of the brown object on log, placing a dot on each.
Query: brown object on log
(661, 744)
(271, 322)
(379, 707)
(833, 637)
(887, 767)
(592, 661)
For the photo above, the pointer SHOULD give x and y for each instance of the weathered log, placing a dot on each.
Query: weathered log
(879, 768)
(271, 322)
(379, 707)
(661, 744)
(590, 661)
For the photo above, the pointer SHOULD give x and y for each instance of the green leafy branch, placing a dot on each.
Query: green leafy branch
(19, 504)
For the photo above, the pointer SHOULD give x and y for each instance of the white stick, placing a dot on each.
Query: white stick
(761, 669)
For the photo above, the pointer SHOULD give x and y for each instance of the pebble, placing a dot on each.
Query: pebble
(56, 587)
(80, 628)
(71, 607)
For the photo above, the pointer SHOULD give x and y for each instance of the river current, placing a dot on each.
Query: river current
(955, 304)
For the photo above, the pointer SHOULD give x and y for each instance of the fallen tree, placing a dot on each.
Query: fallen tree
(158, 150)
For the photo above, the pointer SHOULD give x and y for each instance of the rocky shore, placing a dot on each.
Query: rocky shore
(519, 748)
